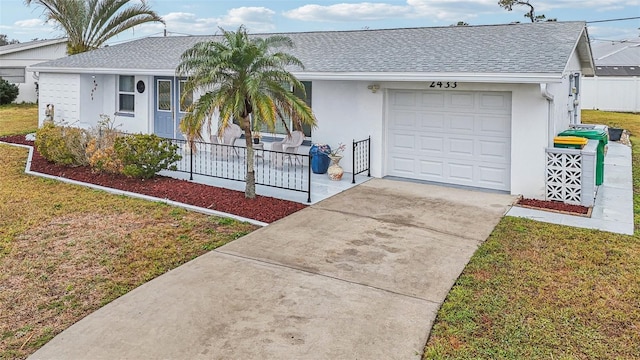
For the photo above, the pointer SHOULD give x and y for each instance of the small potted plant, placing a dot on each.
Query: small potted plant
(335, 171)
(336, 154)
(256, 137)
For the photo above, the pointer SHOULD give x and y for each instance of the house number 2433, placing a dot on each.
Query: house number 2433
(444, 85)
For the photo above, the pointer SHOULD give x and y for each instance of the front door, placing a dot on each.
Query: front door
(164, 115)
(167, 114)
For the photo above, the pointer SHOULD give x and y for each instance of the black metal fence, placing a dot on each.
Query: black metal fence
(271, 168)
(361, 157)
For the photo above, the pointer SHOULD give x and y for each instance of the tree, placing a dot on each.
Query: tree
(8, 92)
(88, 24)
(508, 5)
(4, 40)
(242, 78)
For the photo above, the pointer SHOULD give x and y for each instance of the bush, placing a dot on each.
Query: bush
(100, 151)
(62, 145)
(8, 92)
(143, 156)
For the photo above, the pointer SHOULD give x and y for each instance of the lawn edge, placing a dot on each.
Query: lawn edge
(28, 171)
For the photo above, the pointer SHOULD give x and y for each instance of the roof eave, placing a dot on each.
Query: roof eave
(585, 56)
(529, 78)
(101, 71)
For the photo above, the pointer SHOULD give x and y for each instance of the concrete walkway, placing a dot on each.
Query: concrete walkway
(360, 275)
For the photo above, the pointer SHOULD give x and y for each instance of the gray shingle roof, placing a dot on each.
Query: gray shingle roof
(514, 48)
(12, 48)
(618, 53)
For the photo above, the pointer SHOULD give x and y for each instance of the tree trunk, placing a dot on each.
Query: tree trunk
(250, 188)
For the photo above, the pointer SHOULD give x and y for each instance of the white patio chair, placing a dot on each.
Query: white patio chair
(289, 145)
(229, 136)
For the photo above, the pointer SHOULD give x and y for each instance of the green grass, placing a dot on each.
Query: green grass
(18, 119)
(544, 291)
(66, 250)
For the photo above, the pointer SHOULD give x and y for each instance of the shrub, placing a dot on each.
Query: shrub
(8, 92)
(143, 156)
(62, 145)
(100, 151)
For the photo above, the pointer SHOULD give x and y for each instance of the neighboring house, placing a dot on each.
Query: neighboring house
(15, 58)
(616, 86)
(465, 105)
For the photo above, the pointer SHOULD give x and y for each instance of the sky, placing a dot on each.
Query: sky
(198, 17)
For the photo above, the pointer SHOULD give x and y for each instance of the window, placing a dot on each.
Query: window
(164, 95)
(14, 75)
(306, 129)
(188, 99)
(126, 95)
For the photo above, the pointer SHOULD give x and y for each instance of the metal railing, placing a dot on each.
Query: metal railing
(361, 157)
(271, 168)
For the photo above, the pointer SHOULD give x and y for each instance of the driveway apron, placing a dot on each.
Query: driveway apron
(360, 275)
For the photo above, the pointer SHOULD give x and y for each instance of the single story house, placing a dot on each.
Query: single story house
(15, 58)
(616, 86)
(466, 105)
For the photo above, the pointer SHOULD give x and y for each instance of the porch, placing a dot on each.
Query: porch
(281, 175)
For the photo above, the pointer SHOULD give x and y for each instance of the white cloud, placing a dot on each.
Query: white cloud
(256, 19)
(347, 12)
(25, 30)
(445, 10)
(30, 23)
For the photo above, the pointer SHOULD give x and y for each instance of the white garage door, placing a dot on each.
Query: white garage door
(456, 137)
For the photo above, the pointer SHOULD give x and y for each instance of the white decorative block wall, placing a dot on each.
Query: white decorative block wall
(571, 175)
(564, 174)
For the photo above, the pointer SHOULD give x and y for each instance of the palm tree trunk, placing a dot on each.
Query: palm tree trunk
(250, 188)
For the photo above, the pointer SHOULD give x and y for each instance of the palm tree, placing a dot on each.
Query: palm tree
(245, 79)
(89, 23)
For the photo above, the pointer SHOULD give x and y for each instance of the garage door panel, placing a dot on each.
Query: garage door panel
(494, 125)
(432, 122)
(493, 151)
(402, 142)
(461, 123)
(460, 172)
(460, 137)
(433, 100)
(491, 176)
(432, 169)
(461, 147)
(432, 144)
(405, 119)
(404, 98)
(403, 165)
(461, 100)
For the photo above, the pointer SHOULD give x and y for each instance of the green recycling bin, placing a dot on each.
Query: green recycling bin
(593, 134)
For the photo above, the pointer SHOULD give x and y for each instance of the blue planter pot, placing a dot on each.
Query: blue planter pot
(319, 159)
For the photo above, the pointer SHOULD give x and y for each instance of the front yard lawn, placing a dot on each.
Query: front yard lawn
(18, 119)
(66, 250)
(542, 291)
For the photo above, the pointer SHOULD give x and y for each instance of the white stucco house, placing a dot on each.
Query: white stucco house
(468, 105)
(15, 58)
(616, 84)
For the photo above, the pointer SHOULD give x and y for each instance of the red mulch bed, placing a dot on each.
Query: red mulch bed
(554, 205)
(262, 208)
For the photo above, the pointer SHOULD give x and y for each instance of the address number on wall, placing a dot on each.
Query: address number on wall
(443, 85)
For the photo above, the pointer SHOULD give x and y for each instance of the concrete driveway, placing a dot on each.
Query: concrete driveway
(360, 275)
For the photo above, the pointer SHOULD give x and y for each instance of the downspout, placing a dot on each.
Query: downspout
(551, 128)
